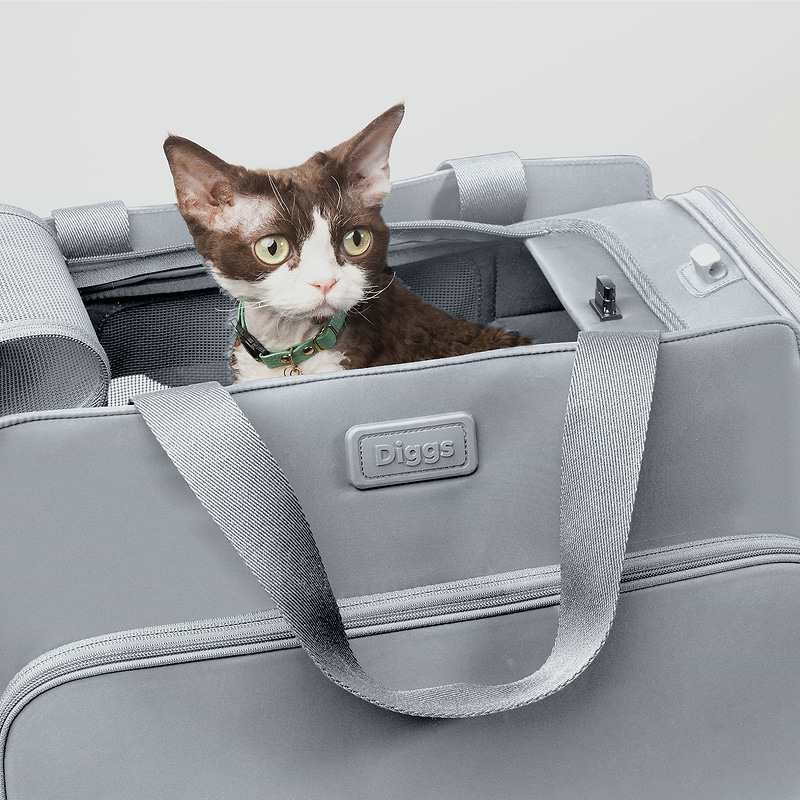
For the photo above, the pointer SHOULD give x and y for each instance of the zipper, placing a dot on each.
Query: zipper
(527, 589)
(765, 267)
(444, 603)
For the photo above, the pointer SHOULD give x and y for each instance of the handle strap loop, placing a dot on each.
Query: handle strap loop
(92, 231)
(492, 189)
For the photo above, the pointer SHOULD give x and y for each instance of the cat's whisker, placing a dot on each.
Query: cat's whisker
(361, 314)
(278, 194)
(339, 201)
(372, 295)
(281, 216)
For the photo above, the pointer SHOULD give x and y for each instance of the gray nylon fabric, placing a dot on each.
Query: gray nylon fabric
(92, 272)
(491, 188)
(627, 263)
(50, 356)
(96, 230)
(235, 477)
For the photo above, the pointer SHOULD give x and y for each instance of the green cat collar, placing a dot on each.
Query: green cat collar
(325, 340)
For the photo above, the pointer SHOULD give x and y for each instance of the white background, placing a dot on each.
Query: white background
(706, 93)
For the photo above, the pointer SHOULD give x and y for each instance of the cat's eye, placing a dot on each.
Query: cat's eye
(272, 250)
(357, 241)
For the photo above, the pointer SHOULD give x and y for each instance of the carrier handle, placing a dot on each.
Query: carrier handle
(236, 478)
(93, 231)
(492, 189)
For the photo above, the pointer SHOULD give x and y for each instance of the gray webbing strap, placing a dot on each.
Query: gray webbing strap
(98, 230)
(491, 189)
(237, 480)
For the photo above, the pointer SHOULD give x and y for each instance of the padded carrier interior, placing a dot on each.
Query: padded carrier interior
(178, 332)
(79, 333)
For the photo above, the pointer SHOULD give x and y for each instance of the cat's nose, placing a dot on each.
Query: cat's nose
(326, 285)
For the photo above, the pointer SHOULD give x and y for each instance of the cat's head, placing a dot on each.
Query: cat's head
(304, 242)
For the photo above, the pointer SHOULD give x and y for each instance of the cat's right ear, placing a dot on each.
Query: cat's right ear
(203, 182)
(366, 156)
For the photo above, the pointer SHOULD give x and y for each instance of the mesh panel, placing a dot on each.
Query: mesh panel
(43, 372)
(34, 280)
(521, 287)
(452, 283)
(122, 390)
(49, 353)
(172, 339)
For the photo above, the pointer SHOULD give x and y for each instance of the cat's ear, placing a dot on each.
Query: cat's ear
(203, 182)
(365, 157)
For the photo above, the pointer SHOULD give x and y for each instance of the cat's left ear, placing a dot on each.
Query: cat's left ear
(366, 156)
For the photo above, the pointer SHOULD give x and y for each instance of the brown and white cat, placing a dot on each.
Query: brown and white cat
(298, 246)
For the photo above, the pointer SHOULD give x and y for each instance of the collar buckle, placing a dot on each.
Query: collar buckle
(326, 338)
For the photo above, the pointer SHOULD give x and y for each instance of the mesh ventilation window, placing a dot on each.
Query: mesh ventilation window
(453, 284)
(175, 340)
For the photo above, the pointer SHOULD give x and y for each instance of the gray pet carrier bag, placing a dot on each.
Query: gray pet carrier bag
(444, 545)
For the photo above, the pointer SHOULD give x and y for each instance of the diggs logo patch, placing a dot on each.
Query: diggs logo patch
(413, 454)
(405, 451)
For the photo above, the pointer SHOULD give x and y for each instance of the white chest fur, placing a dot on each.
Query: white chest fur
(280, 334)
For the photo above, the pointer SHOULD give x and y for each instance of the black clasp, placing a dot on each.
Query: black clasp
(604, 302)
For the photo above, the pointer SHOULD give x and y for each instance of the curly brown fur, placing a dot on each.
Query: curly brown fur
(399, 327)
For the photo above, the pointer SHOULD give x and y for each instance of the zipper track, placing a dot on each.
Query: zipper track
(455, 601)
(769, 269)
(432, 605)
